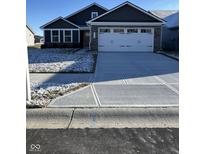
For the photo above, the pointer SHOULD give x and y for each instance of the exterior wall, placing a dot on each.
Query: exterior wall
(82, 17)
(157, 38)
(170, 39)
(94, 41)
(47, 36)
(126, 13)
(29, 37)
(48, 43)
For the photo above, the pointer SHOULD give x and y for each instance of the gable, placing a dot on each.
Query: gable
(60, 23)
(126, 13)
(83, 16)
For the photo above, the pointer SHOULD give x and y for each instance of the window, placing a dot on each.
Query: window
(133, 30)
(119, 30)
(104, 30)
(55, 36)
(67, 36)
(146, 31)
(94, 14)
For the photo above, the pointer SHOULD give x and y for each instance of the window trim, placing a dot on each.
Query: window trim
(71, 36)
(52, 36)
(92, 14)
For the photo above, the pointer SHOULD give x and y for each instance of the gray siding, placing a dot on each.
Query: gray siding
(61, 36)
(75, 36)
(82, 17)
(170, 39)
(47, 36)
(126, 14)
(60, 24)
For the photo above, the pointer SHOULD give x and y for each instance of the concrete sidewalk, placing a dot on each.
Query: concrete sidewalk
(65, 118)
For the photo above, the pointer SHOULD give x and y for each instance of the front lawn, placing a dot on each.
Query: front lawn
(60, 60)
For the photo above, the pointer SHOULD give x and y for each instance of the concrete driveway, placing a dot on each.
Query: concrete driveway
(126, 80)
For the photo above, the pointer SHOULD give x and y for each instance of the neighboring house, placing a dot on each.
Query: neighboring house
(38, 38)
(170, 31)
(42, 40)
(29, 36)
(126, 27)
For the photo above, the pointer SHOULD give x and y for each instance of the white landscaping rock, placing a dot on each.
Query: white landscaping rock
(42, 94)
(60, 60)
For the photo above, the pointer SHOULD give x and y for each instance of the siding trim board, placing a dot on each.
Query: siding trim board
(132, 5)
(127, 23)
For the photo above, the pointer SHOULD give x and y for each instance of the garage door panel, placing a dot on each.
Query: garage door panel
(112, 41)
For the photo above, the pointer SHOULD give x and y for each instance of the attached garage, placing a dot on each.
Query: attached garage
(126, 39)
(126, 28)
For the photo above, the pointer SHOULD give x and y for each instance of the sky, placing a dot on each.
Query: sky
(39, 12)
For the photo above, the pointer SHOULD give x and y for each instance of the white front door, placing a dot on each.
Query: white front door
(126, 39)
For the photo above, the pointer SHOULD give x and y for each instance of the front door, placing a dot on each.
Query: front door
(86, 39)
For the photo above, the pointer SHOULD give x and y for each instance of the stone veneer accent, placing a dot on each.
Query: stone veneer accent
(157, 36)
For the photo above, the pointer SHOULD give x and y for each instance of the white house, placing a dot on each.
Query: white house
(29, 36)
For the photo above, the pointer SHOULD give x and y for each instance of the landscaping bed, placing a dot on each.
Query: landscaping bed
(43, 94)
(60, 60)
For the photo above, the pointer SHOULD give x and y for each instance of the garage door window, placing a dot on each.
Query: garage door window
(118, 30)
(146, 31)
(132, 30)
(104, 30)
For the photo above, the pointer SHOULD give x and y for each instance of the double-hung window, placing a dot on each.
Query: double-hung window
(55, 36)
(94, 14)
(67, 36)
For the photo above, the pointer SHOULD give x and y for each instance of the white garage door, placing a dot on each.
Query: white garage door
(126, 39)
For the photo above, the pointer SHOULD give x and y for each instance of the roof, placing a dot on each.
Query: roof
(56, 19)
(85, 9)
(30, 29)
(170, 16)
(163, 13)
(131, 4)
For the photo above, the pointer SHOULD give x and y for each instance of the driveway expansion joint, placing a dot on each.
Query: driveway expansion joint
(167, 85)
(95, 95)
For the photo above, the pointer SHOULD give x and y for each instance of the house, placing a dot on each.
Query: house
(29, 36)
(170, 30)
(38, 39)
(126, 27)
